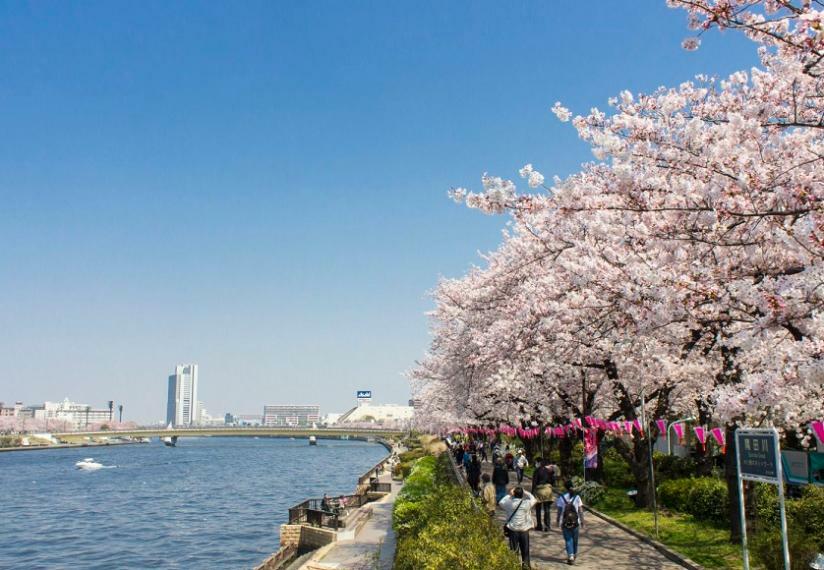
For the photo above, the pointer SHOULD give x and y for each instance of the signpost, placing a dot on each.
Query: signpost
(758, 457)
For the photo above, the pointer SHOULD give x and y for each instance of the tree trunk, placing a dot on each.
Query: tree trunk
(565, 450)
(637, 457)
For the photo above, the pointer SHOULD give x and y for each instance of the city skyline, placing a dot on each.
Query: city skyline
(168, 202)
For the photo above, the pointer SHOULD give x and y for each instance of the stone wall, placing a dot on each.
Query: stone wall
(305, 538)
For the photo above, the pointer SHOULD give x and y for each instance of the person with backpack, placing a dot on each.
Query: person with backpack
(521, 463)
(500, 476)
(518, 508)
(570, 519)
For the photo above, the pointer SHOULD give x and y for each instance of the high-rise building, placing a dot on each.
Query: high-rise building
(290, 415)
(182, 404)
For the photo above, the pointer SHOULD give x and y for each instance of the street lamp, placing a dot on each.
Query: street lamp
(679, 421)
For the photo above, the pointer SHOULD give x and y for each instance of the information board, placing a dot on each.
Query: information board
(757, 452)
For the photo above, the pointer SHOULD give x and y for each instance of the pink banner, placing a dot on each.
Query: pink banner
(662, 427)
(679, 431)
(628, 427)
(818, 429)
(591, 448)
(701, 434)
(637, 423)
(720, 438)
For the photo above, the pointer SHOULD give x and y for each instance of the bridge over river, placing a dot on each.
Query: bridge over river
(319, 433)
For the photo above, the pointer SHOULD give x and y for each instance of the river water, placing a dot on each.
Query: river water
(208, 503)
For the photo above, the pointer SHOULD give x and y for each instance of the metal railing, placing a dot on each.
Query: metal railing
(312, 511)
(332, 515)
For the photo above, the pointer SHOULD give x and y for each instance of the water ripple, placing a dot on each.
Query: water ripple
(210, 503)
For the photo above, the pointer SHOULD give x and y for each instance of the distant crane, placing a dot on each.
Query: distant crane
(120, 409)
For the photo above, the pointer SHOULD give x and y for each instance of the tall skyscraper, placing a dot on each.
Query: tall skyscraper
(182, 406)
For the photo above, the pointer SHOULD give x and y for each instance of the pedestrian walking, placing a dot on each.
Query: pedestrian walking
(521, 463)
(483, 447)
(570, 519)
(542, 489)
(518, 507)
(488, 495)
(473, 473)
(467, 459)
(500, 477)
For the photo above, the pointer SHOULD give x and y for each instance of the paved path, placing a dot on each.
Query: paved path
(601, 546)
(374, 545)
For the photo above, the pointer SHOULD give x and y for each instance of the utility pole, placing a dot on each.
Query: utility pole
(651, 464)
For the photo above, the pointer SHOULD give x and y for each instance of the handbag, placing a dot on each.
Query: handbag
(507, 530)
(544, 492)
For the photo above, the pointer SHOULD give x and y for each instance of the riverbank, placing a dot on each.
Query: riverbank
(68, 445)
(313, 538)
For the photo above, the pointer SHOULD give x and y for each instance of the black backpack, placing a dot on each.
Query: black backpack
(569, 517)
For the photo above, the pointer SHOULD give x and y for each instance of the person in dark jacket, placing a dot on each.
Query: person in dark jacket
(500, 477)
(473, 473)
(458, 454)
(542, 489)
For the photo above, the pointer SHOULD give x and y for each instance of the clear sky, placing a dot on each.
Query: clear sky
(260, 187)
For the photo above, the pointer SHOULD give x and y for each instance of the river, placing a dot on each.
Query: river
(208, 503)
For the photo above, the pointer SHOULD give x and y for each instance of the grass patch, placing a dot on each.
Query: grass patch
(700, 541)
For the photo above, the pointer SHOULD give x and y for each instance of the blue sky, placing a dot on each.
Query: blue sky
(260, 187)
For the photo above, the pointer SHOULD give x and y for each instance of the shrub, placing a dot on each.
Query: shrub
(805, 527)
(704, 498)
(443, 529)
(674, 494)
(591, 491)
(421, 480)
(673, 467)
(616, 470)
(767, 547)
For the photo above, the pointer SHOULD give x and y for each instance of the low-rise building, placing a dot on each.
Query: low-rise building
(394, 415)
(290, 416)
(78, 415)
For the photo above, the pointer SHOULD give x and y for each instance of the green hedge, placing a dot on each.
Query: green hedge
(673, 467)
(439, 528)
(704, 498)
(805, 527)
(616, 470)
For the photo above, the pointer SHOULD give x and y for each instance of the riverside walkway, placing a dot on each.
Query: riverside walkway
(600, 545)
(373, 546)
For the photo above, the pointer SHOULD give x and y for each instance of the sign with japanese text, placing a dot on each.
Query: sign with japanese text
(758, 453)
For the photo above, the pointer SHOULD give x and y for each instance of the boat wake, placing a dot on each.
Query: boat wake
(89, 464)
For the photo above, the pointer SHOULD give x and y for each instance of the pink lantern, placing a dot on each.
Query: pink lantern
(701, 434)
(628, 427)
(818, 429)
(720, 437)
(679, 431)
